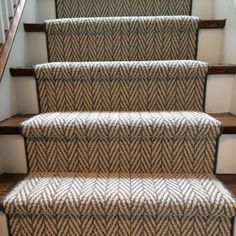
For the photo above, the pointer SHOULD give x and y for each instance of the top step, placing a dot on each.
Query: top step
(106, 8)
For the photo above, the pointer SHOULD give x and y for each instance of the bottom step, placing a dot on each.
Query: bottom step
(120, 204)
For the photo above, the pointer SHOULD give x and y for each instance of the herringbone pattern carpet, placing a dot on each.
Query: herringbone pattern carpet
(120, 204)
(60, 225)
(102, 8)
(122, 38)
(122, 86)
(147, 142)
(122, 146)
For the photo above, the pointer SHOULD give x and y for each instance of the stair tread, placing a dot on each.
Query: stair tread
(12, 125)
(213, 70)
(204, 24)
(122, 125)
(121, 193)
(9, 180)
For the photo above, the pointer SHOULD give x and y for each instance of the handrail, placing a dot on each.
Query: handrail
(6, 48)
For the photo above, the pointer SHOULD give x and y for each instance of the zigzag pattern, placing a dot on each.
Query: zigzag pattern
(122, 86)
(60, 225)
(104, 8)
(120, 204)
(122, 142)
(122, 38)
(121, 194)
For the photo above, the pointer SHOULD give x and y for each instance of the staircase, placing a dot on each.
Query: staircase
(122, 144)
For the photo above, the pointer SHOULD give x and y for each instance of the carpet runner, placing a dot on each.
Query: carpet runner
(146, 142)
(122, 146)
(103, 8)
(122, 86)
(120, 204)
(122, 38)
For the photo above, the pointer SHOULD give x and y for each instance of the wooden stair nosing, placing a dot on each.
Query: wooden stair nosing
(203, 24)
(213, 70)
(9, 181)
(11, 126)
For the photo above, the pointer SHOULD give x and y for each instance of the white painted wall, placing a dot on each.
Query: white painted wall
(227, 9)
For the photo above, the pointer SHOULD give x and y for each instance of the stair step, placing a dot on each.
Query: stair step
(116, 41)
(203, 24)
(122, 142)
(121, 86)
(12, 125)
(9, 180)
(121, 200)
(213, 70)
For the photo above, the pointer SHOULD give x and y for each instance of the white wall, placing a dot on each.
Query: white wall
(227, 9)
(19, 56)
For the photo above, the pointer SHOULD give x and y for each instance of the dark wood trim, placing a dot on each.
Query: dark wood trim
(222, 69)
(213, 70)
(7, 183)
(35, 27)
(204, 24)
(6, 49)
(212, 24)
(12, 125)
(229, 121)
(22, 71)
(228, 179)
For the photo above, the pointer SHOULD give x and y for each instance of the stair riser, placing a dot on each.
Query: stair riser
(216, 84)
(14, 159)
(102, 86)
(46, 9)
(138, 226)
(138, 156)
(208, 50)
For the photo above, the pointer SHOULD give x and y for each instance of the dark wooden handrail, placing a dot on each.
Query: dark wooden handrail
(213, 70)
(7, 46)
(204, 24)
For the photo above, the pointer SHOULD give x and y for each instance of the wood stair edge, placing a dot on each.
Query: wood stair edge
(11, 126)
(203, 24)
(7, 182)
(213, 70)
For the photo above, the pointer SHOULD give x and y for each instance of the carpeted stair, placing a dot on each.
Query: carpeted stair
(122, 86)
(123, 38)
(145, 142)
(120, 204)
(123, 146)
